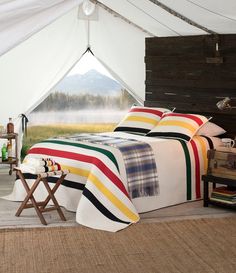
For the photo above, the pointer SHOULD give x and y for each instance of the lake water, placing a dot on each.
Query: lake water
(83, 116)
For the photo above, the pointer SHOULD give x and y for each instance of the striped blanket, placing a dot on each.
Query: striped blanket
(93, 159)
(140, 165)
(96, 187)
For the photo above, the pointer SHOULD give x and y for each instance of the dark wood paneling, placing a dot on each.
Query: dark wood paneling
(179, 74)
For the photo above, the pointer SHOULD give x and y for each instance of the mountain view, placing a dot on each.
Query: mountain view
(91, 97)
(92, 82)
(91, 90)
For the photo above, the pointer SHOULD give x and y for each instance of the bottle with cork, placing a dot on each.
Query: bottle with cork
(10, 126)
(9, 149)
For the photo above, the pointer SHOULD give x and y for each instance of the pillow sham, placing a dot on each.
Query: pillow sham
(178, 126)
(210, 129)
(140, 119)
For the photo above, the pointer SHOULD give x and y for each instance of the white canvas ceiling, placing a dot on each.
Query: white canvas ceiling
(42, 40)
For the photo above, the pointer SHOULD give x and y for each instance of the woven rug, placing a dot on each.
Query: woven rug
(191, 246)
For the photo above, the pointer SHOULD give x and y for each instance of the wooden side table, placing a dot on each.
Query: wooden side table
(40, 207)
(14, 160)
(216, 180)
(221, 170)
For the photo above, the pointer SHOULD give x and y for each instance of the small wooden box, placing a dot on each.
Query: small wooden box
(222, 162)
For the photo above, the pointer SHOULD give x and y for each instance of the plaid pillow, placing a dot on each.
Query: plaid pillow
(140, 119)
(180, 126)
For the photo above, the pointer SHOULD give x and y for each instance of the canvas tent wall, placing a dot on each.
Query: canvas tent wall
(42, 40)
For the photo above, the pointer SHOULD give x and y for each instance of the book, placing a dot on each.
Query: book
(223, 197)
(226, 195)
(223, 201)
(225, 191)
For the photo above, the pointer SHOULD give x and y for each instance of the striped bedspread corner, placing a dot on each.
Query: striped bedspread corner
(195, 152)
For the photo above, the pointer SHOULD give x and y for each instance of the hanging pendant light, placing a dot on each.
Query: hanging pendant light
(88, 7)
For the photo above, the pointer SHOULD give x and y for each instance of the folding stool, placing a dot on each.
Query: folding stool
(40, 207)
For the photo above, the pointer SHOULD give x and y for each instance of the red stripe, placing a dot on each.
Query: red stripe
(197, 169)
(151, 111)
(84, 158)
(194, 118)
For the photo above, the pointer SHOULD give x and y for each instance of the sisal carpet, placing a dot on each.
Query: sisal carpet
(188, 246)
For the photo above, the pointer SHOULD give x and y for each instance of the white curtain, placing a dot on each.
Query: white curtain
(19, 19)
(121, 48)
(31, 69)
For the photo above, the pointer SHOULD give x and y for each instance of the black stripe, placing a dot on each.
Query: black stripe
(169, 135)
(53, 179)
(210, 142)
(101, 208)
(131, 130)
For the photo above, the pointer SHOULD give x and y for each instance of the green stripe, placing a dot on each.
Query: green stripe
(188, 169)
(100, 150)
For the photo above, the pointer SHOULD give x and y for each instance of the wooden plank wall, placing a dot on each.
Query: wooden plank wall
(189, 74)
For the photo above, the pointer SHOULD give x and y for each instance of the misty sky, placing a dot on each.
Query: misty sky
(86, 63)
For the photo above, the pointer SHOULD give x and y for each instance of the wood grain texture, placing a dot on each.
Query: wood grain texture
(179, 73)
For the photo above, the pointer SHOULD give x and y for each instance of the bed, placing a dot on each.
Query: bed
(99, 188)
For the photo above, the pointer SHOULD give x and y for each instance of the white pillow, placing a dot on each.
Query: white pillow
(210, 129)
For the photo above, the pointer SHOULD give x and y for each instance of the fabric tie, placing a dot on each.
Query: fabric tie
(24, 121)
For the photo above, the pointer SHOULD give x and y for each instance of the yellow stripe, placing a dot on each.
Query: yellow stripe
(121, 206)
(142, 119)
(110, 196)
(204, 151)
(78, 171)
(177, 123)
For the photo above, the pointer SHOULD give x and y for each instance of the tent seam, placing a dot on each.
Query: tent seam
(182, 17)
(116, 14)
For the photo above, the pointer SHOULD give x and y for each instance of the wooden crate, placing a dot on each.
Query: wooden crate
(222, 162)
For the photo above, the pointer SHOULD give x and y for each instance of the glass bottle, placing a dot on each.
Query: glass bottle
(9, 150)
(4, 152)
(10, 126)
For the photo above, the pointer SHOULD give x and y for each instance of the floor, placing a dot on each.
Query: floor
(29, 218)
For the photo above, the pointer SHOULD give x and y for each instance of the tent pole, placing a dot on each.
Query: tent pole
(182, 17)
(116, 14)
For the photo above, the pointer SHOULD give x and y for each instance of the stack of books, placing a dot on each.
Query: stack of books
(226, 195)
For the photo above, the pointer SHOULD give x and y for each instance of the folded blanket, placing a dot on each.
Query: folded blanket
(39, 165)
(45, 162)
